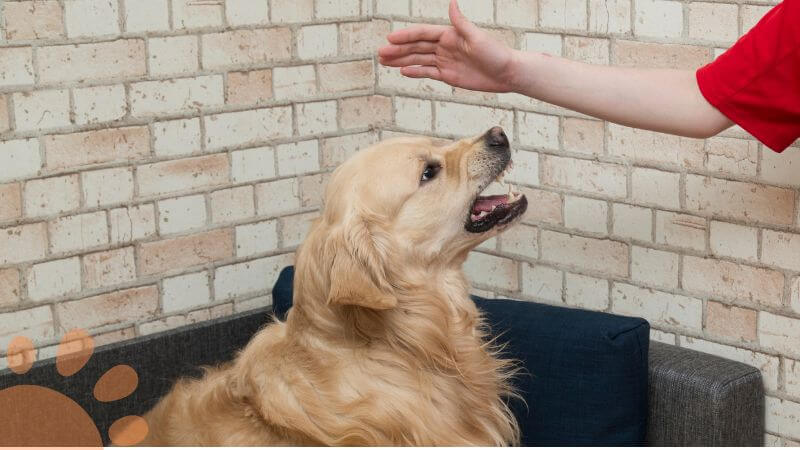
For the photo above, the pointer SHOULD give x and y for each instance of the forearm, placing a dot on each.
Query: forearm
(663, 100)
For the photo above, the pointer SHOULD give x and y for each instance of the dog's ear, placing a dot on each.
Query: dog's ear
(357, 275)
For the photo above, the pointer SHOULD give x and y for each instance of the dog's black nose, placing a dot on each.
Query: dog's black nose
(497, 138)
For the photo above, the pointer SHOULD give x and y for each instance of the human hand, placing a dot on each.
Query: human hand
(461, 55)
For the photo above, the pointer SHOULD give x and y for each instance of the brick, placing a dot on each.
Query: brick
(294, 229)
(248, 127)
(783, 417)
(79, 232)
(10, 201)
(184, 252)
(517, 13)
(654, 267)
(65, 151)
(19, 159)
(330, 9)
(362, 38)
(109, 268)
(650, 147)
(317, 41)
(99, 104)
(413, 114)
(176, 95)
(768, 365)
(41, 109)
(538, 130)
(542, 283)
(260, 302)
(751, 15)
(633, 222)
(451, 117)
(781, 249)
(175, 321)
(277, 197)
(597, 255)
(611, 16)
(492, 271)
(588, 50)
(23, 243)
(5, 121)
(35, 324)
(563, 14)
(316, 118)
(131, 224)
(33, 20)
(100, 61)
(249, 278)
(393, 7)
(9, 287)
(521, 240)
(586, 214)
(658, 18)
(173, 55)
(54, 279)
(730, 321)
(312, 189)
(249, 88)
(247, 12)
(551, 44)
(586, 292)
(476, 10)
(346, 76)
(587, 176)
(659, 308)
(713, 21)
(146, 15)
(791, 375)
(737, 200)
(660, 56)
(176, 137)
(732, 156)
(780, 168)
(294, 82)
(292, 11)
(182, 175)
(232, 205)
(526, 168)
(188, 14)
(109, 309)
(583, 136)
(52, 196)
(253, 164)
(735, 281)
(181, 214)
(256, 238)
(107, 187)
(16, 66)
(86, 18)
(655, 187)
(240, 47)
(359, 112)
(680, 230)
(301, 157)
(734, 241)
(336, 150)
(660, 336)
(186, 292)
(390, 77)
(548, 209)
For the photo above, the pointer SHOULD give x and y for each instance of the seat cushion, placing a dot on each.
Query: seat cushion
(585, 372)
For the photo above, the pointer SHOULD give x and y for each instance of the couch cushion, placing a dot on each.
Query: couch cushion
(586, 372)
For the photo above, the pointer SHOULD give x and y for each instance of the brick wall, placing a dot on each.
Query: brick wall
(160, 161)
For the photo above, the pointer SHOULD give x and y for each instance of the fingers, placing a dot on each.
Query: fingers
(459, 21)
(394, 51)
(428, 59)
(417, 33)
(422, 72)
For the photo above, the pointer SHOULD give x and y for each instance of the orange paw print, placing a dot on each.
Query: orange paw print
(36, 415)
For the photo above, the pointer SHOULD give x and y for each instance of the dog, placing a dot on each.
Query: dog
(383, 345)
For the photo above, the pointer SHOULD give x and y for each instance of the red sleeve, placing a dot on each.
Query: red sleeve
(756, 83)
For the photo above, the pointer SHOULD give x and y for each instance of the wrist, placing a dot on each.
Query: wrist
(520, 71)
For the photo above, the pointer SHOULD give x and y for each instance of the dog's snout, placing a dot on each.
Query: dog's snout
(496, 138)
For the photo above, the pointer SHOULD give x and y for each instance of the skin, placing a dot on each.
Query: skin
(463, 55)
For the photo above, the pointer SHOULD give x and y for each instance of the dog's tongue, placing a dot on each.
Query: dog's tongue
(488, 203)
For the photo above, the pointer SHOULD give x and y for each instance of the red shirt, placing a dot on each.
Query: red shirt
(756, 83)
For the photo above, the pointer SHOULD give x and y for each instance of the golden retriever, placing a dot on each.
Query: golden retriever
(383, 345)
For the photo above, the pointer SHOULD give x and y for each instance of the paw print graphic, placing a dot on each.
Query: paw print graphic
(37, 415)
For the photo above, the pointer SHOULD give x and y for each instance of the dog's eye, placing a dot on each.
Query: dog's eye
(430, 172)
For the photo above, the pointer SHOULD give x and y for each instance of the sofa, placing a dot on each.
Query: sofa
(588, 378)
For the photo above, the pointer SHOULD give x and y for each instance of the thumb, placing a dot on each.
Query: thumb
(459, 21)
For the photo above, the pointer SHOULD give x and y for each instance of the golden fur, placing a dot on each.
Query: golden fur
(383, 345)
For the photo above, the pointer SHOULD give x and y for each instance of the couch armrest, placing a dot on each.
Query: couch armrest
(697, 399)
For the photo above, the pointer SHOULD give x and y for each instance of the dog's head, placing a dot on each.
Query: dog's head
(415, 203)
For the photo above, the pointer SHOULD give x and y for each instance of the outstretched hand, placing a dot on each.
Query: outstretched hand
(461, 55)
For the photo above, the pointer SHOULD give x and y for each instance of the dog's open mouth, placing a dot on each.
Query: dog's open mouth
(490, 211)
